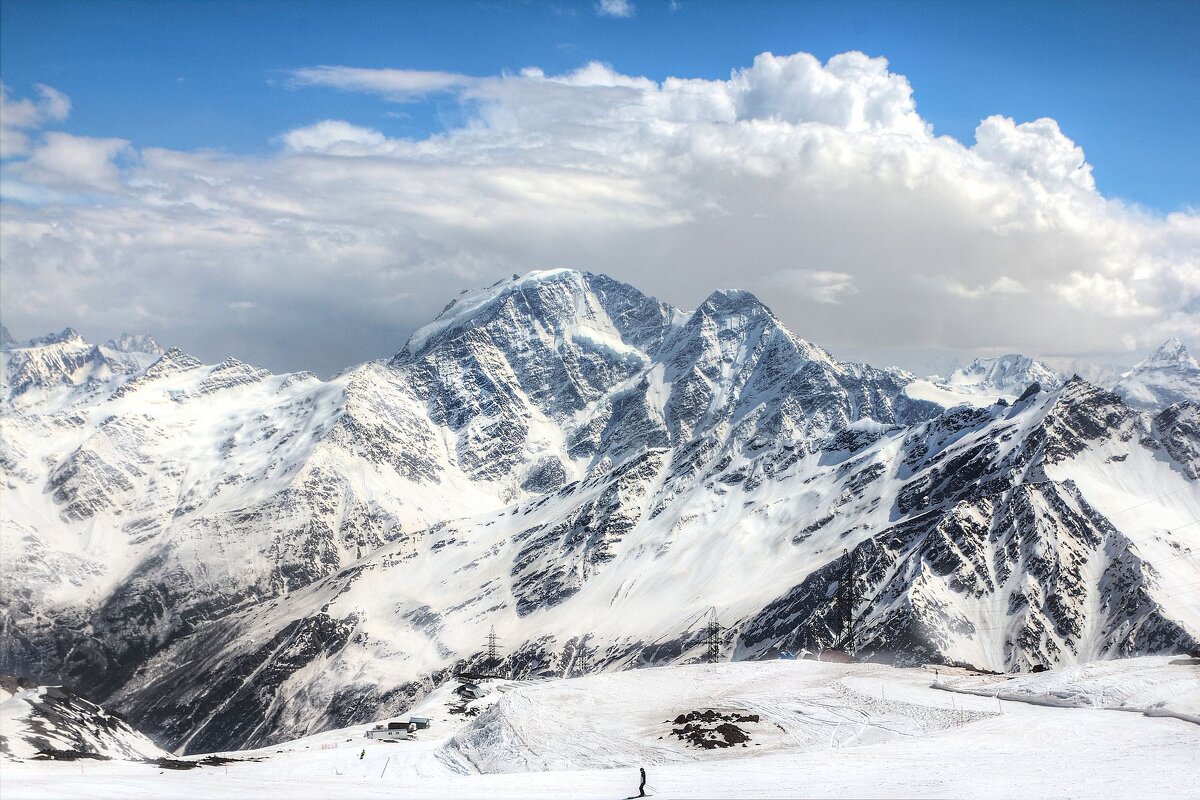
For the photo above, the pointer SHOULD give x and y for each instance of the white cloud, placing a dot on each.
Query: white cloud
(818, 286)
(74, 163)
(16, 116)
(1036, 150)
(1000, 286)
(1104, 295)
(817, 186)
(400, 85)
(330, 134)
(615, 8)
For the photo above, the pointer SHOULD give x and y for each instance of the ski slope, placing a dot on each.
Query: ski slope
(824, 730)
(1160, 686)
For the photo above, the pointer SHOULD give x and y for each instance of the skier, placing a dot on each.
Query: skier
(362, 755)
(642, 786)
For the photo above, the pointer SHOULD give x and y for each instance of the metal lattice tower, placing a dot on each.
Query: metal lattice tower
(493, 647)
(712, 637)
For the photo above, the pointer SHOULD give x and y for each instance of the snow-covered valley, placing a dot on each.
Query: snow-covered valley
(234, 559)
(801, 729)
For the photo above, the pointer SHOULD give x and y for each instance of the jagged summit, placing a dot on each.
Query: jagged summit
(62, 369)
(1001, 375)
(131, 343)
(544, 298)
(1168, 375)
(1171, 354)
(735, 300)
(65, 336)
(985, 381)
(125, 343)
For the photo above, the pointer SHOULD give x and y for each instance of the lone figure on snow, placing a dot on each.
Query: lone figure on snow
(642, 786)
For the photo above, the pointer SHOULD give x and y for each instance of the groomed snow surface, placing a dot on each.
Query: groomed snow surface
(822, 730)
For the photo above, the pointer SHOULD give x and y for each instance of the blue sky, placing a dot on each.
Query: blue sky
(903, 183)
(1122, 79)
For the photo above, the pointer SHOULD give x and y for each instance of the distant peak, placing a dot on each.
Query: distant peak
(1171, 354)
(1170, 349)
(6, 337)
(1014, 359)
(1011, 372)
(65, 336)
(131, 343)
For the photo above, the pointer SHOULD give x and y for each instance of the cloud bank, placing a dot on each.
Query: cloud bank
(818, 186)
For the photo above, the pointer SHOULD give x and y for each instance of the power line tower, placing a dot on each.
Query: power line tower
(581, 659)
(493, 649)
(712, 637)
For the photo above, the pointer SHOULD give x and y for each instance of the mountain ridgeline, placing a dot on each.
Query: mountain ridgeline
(230, 558)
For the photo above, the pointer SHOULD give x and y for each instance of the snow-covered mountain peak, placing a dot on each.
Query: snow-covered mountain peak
(54, 362)
(6, 338)
(1006, 374)
(986, 380)
(550, 300)
(1171, 354)
(1168, 375)
(134, 343)
(735, 300)
(65, 336)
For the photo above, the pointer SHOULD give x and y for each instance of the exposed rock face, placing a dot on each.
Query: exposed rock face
(51, 718)
(231, 557)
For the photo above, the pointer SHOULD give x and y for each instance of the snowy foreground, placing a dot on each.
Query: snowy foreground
(822, 730)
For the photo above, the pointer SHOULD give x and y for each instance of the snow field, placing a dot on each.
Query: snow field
(1152, 685)
(826, 730)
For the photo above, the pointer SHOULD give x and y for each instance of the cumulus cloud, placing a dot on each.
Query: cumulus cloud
(818, 186)
(330, 134)
(74, 163)
(1038, 151)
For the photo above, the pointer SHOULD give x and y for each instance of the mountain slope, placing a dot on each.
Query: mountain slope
(231, 558)
(37, 718)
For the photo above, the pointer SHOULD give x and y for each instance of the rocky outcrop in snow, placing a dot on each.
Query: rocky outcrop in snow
(34, 719)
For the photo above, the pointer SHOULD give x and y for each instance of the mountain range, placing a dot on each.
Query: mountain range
(230, 558)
